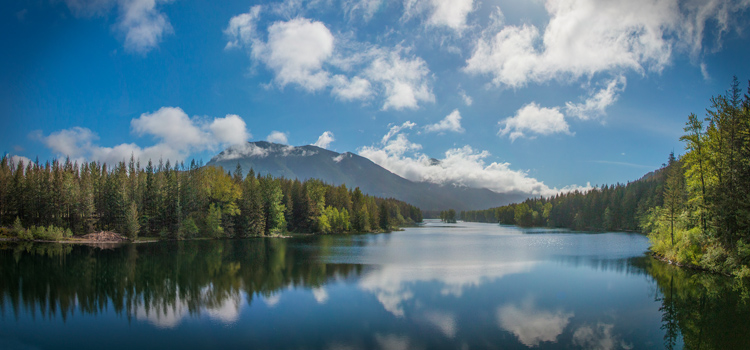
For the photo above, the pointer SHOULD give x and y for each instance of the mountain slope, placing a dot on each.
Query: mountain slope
(307, 162)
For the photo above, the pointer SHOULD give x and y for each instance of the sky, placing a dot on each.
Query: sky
(516, 96)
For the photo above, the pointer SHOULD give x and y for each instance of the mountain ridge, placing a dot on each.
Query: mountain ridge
(309, 161)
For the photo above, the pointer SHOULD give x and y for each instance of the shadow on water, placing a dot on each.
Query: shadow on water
(699, 310)
(463, 301)
(54, 279)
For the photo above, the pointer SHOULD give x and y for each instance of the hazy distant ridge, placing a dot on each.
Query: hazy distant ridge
(305, 162)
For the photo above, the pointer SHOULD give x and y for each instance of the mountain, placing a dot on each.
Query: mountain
(306, 162)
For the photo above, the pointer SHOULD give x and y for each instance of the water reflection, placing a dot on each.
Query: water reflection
(532, 325)
(470, 287)
(161, 283)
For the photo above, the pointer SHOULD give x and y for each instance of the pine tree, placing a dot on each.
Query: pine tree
(674, 192)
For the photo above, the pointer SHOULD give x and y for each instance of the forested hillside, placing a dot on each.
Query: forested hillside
(182, 202)
(696, 209)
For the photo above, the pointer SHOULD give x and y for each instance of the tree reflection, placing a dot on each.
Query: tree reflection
(709, 311)
(161, 280)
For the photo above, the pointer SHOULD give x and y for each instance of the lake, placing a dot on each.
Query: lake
(439, 286)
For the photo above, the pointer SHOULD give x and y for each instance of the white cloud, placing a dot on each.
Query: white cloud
(460, 166)
(395, 129)
(467, 99)
(324, 140)
(405, 80)
(401, 145)
(452, 122)
(596, 104)
(364, 8)
(586, 37)
(176, 136)
(441, 13)
(305, 53)
(277, 137)
(172, 125)
(341, 157)
(242, 151)
(530, 325)
(296, 51)
(536, 120)
(351, 89)
(140, 21)
(230, 130)
(14, 160)
(242, 28)
(143, 24)
(72, 142)
(450, 13)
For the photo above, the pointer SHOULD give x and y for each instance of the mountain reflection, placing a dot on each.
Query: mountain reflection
(161, 283)
(432, 290)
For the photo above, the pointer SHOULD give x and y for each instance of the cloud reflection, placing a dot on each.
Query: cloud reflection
(169, 314)
(445, 322)
(392, 284)
(598, 337)
(531, 325)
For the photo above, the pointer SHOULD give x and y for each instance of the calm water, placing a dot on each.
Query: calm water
(462, 286)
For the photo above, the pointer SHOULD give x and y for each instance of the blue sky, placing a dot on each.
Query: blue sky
(532, 96)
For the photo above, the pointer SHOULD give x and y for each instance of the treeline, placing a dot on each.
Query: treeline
(184, 201)
(696, 209)
(448, 216)
(606, 208)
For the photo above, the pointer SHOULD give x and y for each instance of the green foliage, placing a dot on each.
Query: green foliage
(131, 222)
(448, 216)
(213, 222)
(696, 209)
(174, 201)
(189, 229)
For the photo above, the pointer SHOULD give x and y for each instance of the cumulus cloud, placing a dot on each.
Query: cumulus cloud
(452, 122)
(324, 140)
(141, 21)
(172, 125)
(230, 130)
(530, 325)
(296, 51)
(277, 137)
(351, 89)
(441, 13)
(405, 80)
(532, 119)
(596, 104)
(461, 166)
(304, 53)
(176, 136)
(242, 29)
(14, 160)
(586, 37)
